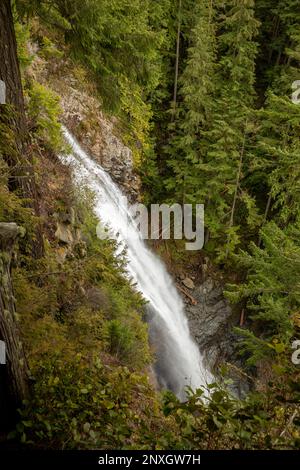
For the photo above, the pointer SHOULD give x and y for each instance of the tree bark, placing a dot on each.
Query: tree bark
(12, 116)
(238, 177)
(177, 63)
(13, 146)
(14, 374)
(9, 65)
(265, 217)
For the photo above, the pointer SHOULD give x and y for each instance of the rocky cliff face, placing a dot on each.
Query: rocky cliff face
(99, 139)
(83, 116)
(211, 322)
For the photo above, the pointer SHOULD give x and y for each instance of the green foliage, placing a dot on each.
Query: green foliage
(194, 114)
(233, 144)
(127, 340)
(12, 206)
(78, 401)
(210, 142)
(87, 358)
(49, 49)
(220, 421)
(45, 111)
(119, 338)
(120, 43)
(270, 290)
(273, 274)
(139, 115)
(277, 149)
(23, 37)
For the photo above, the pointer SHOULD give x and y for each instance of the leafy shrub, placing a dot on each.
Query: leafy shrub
(23, 37)
(49, 49)
(44, 110)
(221, 421)
(119, 338)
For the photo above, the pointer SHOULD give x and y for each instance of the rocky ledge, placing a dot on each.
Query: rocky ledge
(211, 322)
(83, 115)
(100, 139)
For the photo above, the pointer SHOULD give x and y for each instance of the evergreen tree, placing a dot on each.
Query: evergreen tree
(276, 163)
(271, 290)
(116, 40)
(229, 139)
(180, 18)
(194, 114)
(278, 140)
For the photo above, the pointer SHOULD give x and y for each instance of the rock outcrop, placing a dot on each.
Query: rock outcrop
(211, 321)
(187, 282)
(99, 136)
(84, 117)
(69, 236)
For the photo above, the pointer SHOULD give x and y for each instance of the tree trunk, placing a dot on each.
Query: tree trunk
(9, 65)
(177, 63)
(14, 374)
(13, 144)
(265, 217)
(237, 183)
(12, 117)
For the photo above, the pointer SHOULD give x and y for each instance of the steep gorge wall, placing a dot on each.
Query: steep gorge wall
(211, 318)
(82, 114)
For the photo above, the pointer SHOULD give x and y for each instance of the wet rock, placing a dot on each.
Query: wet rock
(211, 322)
(187, 282)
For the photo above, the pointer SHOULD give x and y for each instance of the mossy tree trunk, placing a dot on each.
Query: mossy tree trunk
(14, 142)
(13, 150)
(13, 374)
(9, 66)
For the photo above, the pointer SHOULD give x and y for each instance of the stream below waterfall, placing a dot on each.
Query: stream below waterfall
(178, 360)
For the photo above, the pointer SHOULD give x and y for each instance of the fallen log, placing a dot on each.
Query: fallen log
(187, 294)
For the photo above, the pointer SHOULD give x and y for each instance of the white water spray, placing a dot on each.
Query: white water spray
(178, 360)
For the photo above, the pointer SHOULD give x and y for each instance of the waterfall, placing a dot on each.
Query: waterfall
(178, 360)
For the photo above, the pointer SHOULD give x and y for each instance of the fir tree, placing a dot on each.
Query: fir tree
(276, 162)
(271, 290)
(194, 114)
(228, 147)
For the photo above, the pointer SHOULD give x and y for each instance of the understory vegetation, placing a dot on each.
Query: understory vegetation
(202, 94)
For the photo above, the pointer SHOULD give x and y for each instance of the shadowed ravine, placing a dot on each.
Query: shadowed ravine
(179, 362)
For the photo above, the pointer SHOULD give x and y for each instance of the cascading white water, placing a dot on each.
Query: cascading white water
(179, 362)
